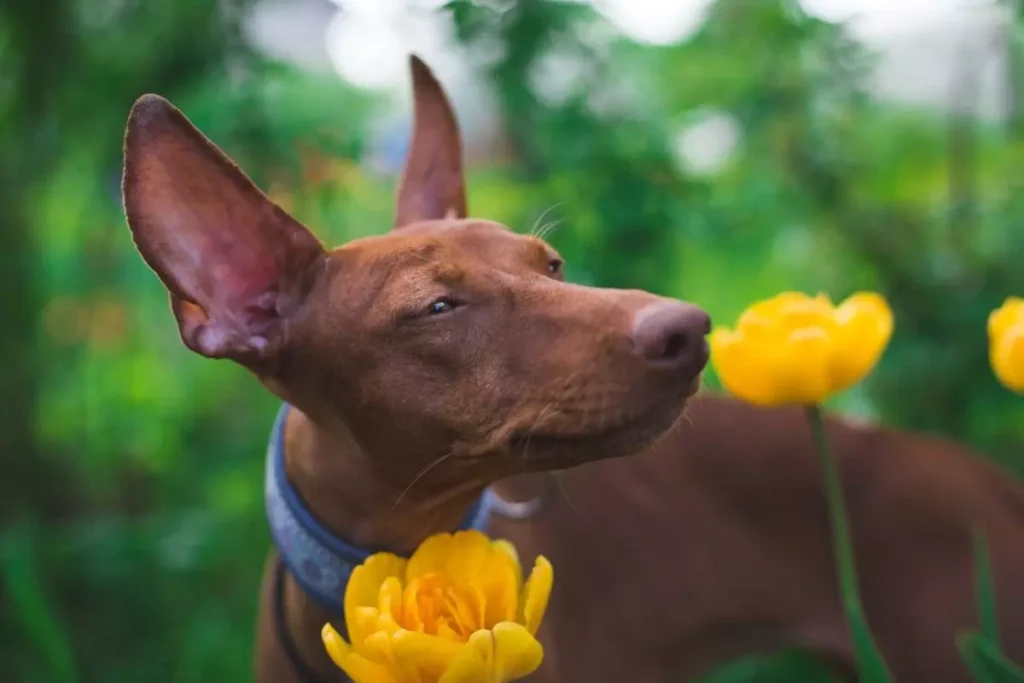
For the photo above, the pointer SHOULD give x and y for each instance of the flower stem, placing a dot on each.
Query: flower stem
(870, 662)
(836, 509)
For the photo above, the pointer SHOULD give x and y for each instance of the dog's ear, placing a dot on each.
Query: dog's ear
(432, 185)
(235, 264)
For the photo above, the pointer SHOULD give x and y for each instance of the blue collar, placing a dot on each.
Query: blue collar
(319, 561)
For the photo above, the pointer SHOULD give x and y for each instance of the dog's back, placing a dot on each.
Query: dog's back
(716, 543)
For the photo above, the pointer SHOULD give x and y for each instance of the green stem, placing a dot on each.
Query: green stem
(836, 511)
(871, 664)
(984, 588)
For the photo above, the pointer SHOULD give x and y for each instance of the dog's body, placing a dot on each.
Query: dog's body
(716, 544)
(429, 363)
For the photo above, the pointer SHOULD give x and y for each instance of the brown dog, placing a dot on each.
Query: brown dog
(431, 362)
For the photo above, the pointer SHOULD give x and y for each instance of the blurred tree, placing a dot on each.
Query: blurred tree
(92, 566)
(605, 173)
(34, 50)
(68, 70)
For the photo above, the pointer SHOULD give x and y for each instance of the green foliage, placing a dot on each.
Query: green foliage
(783, 666)
(985, 661)
(130, 482)
(985, 590)
(49, 646)
(980, 649)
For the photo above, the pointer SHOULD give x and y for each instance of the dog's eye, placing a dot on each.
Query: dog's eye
(442, 305)
(555, 266)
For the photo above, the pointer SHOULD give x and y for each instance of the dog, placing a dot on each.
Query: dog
(419, 367)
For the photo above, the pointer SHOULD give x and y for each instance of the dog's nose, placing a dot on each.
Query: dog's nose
(672, 334)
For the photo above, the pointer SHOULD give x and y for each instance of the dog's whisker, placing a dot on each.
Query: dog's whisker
(565, 494)
(419, 476)
(687, 416)
(543, 214)
(529, 434)
(547, 229)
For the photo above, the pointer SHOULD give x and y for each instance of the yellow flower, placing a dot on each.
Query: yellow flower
(794, 348)
(457, 611)
(1006, 343)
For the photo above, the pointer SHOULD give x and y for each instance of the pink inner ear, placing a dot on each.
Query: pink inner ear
(211, 234)
(225, 252)
(205, 232)
(210, 339)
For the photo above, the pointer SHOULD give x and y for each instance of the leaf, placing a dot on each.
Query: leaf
(786, 666)
(32, 608)
(871, 666)
(985, 660)
(984, 587)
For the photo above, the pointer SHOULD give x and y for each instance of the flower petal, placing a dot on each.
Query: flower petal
(379, 648)
(517, 653)
(429, 655)
(336, 646)
(500, 589)
(357, 667)
(424, 602)
(445, 630)
(430, 557)
(740, 366)
(390, 598)
(363, 589)
(506, 607)
(774, 307)
(536, 593)
(491, 571)
(503, 546)
(1006, 316)
(865, 327)
(799, 367)
(1005, 330)
(470, 554)
(770, 320)
(465, 605)
(365, 620)
(790, 348)
(1006, 354)
(474, 663)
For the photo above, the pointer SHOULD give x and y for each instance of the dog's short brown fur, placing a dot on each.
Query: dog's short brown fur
(449, 354)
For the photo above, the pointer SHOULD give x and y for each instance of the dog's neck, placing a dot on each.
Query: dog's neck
(347, 489)
(361, 497)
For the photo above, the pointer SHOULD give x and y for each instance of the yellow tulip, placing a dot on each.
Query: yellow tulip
(457, 611)
(1006, 343)
(798, 349)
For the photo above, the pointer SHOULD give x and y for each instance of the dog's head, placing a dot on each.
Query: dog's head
(448, 336)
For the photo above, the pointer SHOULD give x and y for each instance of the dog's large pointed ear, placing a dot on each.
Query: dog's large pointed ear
(432, 185)
(235, 264)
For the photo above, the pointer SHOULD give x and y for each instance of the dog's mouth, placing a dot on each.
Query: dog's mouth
(630, 434)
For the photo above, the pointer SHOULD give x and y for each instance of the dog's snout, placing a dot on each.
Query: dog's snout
(673, 335)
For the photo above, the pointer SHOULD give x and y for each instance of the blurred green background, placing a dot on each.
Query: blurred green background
(767, 146)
